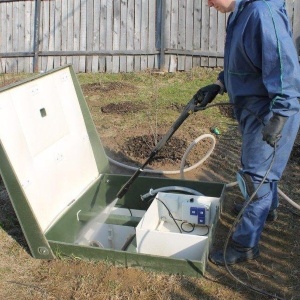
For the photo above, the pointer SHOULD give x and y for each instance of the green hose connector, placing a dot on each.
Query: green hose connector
(215, 130)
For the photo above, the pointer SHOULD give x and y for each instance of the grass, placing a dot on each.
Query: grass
(169, 87)
(158, 92)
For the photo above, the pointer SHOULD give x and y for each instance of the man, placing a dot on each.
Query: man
(262, 78)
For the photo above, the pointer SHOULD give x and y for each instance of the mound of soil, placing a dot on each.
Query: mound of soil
(142, 146)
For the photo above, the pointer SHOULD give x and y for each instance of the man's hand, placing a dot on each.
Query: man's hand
(207, 94)
(272, 130)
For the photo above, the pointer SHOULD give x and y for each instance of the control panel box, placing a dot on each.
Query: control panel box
(177, 225)
(195, 211)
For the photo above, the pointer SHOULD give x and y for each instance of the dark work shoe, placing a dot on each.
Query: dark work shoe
(272, 215)
(234, 254)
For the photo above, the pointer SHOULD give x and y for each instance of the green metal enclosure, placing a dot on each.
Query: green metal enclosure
(58, 178)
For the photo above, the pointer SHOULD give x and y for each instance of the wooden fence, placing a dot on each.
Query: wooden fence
(114, 35)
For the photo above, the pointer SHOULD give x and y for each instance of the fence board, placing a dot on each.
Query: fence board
(117, 36)
(70, 28)
(296, 24)
(76, 37)
(89, 33)
(151, 34)
(221, 37)
(181, 33)
(109, 36)
(204, 32)
(50, 59)
(289, 9)
(145, 33)
(174, 34)
(82, 32)
(189, 32)
(212, 39)
(44, 36)
(57, 31)
(96, 36)
(123, 31)
(167, 31)
(102, 34)
(197, 30)
(15, 34)
(2, 37)
(10, 62)
(64, 30)
(130, 34)
(137, 33)
(21, 34)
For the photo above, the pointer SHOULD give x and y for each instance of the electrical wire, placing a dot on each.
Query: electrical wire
(187, 231)
(193, 228)
(170, 214)
(181, 229)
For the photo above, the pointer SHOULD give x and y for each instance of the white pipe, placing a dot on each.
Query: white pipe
(231, 184)
(280, 192)
(288, 199)
(201, 161)
(170, 188)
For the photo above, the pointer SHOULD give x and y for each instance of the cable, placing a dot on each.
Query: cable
(187, 231)
(193, 228)
(170, 214)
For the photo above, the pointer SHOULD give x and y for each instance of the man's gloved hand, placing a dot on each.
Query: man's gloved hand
(207, 94)
(272, 130)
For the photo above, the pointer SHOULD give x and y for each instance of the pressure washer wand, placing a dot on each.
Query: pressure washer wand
(191, 107)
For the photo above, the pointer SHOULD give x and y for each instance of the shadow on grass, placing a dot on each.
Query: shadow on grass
(9, 221)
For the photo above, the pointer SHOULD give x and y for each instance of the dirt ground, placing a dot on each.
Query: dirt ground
(276, 271)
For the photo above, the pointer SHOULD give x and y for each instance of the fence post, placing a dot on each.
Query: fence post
(161, 21)
(37, 15)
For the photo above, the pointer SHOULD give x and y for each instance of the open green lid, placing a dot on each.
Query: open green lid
(50, 152)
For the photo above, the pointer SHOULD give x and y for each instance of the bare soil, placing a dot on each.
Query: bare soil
(276, 271)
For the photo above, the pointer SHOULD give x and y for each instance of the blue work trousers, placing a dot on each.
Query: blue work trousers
(256, 161)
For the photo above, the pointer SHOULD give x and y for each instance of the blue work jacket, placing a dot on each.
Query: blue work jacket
(261, 67)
